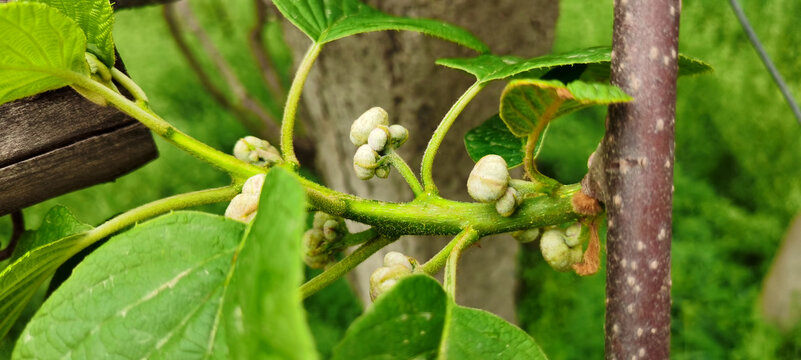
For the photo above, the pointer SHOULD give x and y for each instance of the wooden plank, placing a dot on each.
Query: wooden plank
(47, 121)
(96, 159)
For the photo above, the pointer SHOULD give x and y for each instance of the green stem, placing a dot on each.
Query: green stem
(129, 85)
(237, 168)
(529, 162)
(431, 215)
(344, 266)
(352, 240)
(461, 242)
(291, 108)
(405, 171)
(441, 131)
(158, 207)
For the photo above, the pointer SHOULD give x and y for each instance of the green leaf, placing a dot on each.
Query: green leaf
(40, 50)
(264, 317)
(493, 137)
(488, 67)
(477, 334)
(328, 20)
(404, 323)
(96, 19)
(416, 320)
(527, 106)
(153, 291)
(35, 260)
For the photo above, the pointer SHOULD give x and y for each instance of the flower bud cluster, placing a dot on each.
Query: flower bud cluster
(243, 206)
(326, 230)
(256, 151)
(374, 137)
(489, 182)
(396, 266)
(561, 248)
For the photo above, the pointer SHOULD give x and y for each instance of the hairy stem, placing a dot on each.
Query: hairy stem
(291, 109)
(132, 87)
(439, 135)
(344, 266)
(405, 171)
(530, 165)
(158, 207)
(237, 168)
(461, 242)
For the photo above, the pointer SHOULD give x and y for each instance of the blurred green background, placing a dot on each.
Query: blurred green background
(738, 174)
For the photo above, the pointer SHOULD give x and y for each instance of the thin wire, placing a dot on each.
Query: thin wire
(777, 77)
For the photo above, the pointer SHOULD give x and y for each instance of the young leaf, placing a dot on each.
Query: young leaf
(488, 67)
(152, 291)
(40, 50)
(35, 260)
(527, 106)
(324, 21)
(96, 19)
(416, 319)
(264, 317)
(493, 137)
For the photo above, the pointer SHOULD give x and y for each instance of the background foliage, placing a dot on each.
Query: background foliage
(737, 175)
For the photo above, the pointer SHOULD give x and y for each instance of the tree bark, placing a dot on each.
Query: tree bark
(637, 160)
(395, 70)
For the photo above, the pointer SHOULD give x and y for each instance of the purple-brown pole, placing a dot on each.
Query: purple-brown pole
(638, 164)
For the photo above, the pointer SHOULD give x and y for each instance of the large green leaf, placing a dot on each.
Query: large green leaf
(153, 291)
(40, 50)
(493, 137)
(417, 320)
(35, 260)
(328, 20)
(96, 19)
(527, 106)
(264, 317)
(488, 67)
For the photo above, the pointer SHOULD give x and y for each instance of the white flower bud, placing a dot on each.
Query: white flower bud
(253, 184)
(243, 207)
(319, 219)
(507, 204)
(526, 236)
(317, 261)
(385, 277)
(361, 128)
(572, 235)
(382, 171)
(489, 179)
(398, 135)
(366, 157)
(378, 138)
(362, 173)
(331, 230)
(256, 151)
(312, 240)
(556, 252)
(393, 258)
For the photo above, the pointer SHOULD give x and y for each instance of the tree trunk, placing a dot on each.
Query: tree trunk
(395, 70)
(637, 160)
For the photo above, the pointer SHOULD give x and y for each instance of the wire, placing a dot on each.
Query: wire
(777, 77)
